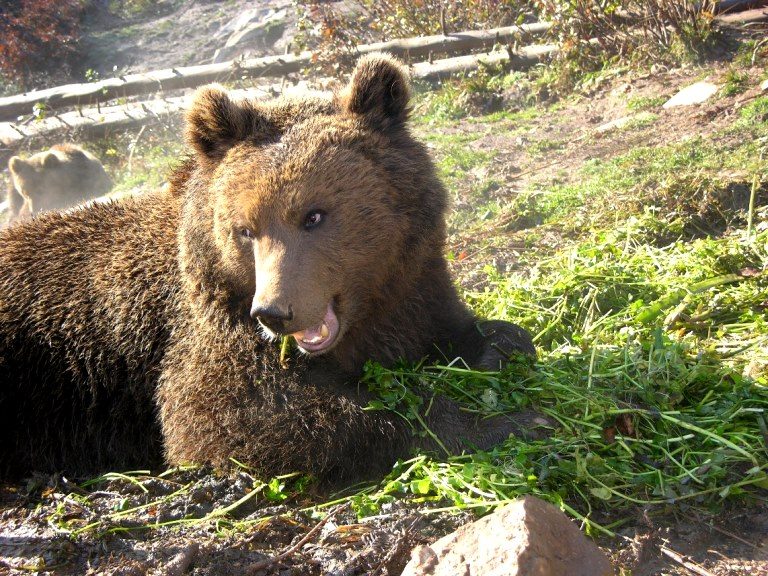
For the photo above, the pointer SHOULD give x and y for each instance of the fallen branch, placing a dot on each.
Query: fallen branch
(732, 6)
(519, 60)
(261, 565)
(684, 562)
(746, 17)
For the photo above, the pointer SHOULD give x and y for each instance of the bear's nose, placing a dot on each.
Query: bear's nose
(272, 317)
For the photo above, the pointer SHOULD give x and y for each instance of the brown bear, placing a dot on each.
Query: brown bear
(144, 329)
(55, 179)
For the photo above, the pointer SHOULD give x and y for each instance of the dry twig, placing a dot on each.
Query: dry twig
(263, 564)
(684, 562)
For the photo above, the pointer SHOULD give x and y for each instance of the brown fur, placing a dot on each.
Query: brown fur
(55, 179)
(112, 312)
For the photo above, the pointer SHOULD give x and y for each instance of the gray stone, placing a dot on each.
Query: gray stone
(693, 94)
(257, 28)
(764, 86)
(526, 538)
(624, 122)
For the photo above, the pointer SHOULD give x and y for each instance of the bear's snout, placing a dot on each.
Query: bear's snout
(271, 317)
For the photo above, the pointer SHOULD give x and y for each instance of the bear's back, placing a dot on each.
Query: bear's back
(85, 312)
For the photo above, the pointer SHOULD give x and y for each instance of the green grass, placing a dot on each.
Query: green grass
(467, 98)
(515, 118)
(139, 161)
(438, 107)
(642, 103)
(455, 157)
(542, 147)
(735, 83)
(154, 163)
(690, 181)
(750, 54)
(755, 113)
(641, 121)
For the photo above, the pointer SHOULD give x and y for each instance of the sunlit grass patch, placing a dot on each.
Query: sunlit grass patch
(756, 112)
(142, 160)
(695, 186)
(736, 82)
(643, 103)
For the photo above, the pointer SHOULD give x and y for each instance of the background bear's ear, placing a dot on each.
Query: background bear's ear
(379, 91)
(17, 165)
(50, 160)
(215, 123)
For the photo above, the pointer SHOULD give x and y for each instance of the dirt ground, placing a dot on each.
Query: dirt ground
(168, 33)
(261, 537)
(574, 131)
(152, 525)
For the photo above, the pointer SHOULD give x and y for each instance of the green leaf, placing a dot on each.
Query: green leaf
(421, 487)
(602, 493)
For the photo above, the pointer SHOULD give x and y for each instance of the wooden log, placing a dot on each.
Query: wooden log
(731, 6)
(521, 59)
(424, 46)
(92, 122)
(191, 76)
(745, 17)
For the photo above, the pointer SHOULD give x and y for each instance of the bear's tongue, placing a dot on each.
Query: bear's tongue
(313, 335)
(319, 337)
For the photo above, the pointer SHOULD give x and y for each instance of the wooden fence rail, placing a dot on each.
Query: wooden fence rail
(93, 122)
(270, 66)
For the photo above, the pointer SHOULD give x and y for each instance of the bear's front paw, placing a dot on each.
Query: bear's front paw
(459, 430)
(526, 424)
(501, 342)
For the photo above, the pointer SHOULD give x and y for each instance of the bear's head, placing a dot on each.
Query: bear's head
(57, 178)
(315, 217)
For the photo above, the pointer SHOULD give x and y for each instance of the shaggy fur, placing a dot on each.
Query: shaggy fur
(58, 178)
(126, 327)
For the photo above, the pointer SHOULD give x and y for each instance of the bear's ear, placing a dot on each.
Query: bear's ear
(50, 160)
(379, 91)
(18, 166)
(215, 123)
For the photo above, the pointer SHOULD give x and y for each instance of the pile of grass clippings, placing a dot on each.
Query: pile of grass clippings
(653, 361)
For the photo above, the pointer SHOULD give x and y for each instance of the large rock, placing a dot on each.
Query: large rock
(693, 94)
(526, 538)
(256, 29)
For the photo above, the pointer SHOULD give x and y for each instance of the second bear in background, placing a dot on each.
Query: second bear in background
(59, 178)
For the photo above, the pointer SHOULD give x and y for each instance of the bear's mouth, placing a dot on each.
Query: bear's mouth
(321, 337)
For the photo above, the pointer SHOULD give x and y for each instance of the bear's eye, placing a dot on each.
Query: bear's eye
(246, 233)
(313, 219)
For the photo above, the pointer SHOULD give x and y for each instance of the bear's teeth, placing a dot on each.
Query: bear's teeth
(317, 338)
(317, 335)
